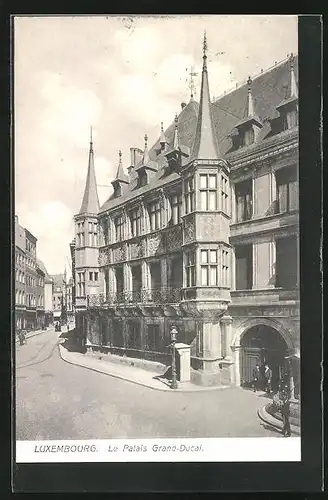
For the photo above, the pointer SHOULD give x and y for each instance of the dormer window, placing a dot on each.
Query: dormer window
(247, 137)
(117, 190)
(290, 119)
(143, 178)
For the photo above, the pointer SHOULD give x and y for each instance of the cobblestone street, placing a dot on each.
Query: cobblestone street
(56, 400)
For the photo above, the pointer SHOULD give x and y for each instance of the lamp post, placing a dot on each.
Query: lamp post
(174, 333)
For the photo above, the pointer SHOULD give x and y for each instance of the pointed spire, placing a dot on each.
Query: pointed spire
(176, 136)
(120, 174)
(90, 202)
(250, 103)
(162, 139)
(146, 153)
(293, 86)
(205, 144)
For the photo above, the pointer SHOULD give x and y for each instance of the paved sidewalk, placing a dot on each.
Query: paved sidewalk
(132, 374)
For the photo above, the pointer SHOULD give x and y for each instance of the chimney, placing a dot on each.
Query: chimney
(136, 155)
(183, 105)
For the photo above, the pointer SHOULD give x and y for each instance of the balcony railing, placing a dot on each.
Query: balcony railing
(150, 296)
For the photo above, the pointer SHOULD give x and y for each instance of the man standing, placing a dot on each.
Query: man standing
(256, 377)
(267, 378)
(285, 411)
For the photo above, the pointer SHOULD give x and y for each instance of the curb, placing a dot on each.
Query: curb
(274, 422)
(121, 377)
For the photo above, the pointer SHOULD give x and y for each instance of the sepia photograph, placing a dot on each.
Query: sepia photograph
(156, 171)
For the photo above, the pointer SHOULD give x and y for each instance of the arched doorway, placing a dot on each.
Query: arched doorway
(262, 344)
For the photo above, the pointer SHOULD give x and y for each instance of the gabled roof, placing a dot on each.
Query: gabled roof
(90, 202)
(268, 90)
(121, 176)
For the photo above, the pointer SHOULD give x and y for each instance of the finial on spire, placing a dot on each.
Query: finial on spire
(146, 139)
(250, 105)
(204, 44)
(91, 134)
(176, 119)
(120, 154)
(176, 137)
(162, 129)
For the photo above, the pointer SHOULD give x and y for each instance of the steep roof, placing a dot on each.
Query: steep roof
(268, 90)
(205, 144)
(41, 265)
(90, 202)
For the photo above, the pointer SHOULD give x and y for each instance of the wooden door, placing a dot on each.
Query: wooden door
(250, 356)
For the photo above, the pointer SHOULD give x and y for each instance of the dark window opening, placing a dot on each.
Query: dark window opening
(287, 189)
(244, 209)
(244, 267)
(152, 340)
(286, 262)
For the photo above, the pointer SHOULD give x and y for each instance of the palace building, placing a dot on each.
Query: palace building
(201, 232)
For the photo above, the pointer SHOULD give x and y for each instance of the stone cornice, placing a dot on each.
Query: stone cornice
(288, 140)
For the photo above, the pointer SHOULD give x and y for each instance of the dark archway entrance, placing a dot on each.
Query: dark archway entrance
(262, 344)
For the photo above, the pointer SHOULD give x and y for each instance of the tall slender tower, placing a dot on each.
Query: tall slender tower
(86, 239)
(206, 248)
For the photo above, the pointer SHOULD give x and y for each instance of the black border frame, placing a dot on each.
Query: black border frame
(305, 476)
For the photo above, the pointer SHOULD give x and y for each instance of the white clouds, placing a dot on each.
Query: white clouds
(123, 76)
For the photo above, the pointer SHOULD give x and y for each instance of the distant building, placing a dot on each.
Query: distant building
(58, 296)
(201, 232)
(20, 276)
(40, 283)
(69, 300)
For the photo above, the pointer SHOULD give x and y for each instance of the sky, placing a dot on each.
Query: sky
(123, 76)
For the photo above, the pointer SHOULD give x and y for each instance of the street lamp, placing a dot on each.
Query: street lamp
(174, 333)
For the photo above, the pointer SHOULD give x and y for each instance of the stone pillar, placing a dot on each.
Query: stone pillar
(127, 277)
(145, 276)
(273, 191)
(233, 203)
(232, 269)
(254, 250)
(272, 263)
(144, 219)
(164, 272)
(211, 333)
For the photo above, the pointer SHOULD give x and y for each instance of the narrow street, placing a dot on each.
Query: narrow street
(57, 400)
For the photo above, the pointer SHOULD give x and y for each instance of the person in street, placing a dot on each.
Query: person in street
(22, 336)
(67, 326)
(267, 378)
(284, 397)
(256, 378)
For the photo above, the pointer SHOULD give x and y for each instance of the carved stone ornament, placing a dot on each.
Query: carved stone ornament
(174, 238)
(118, 254)
(189, 231)
(136, 250)
(209, 226)
(155, 245)
(103, 258)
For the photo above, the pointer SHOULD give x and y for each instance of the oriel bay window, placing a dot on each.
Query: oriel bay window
(287, 189)
(135, 217)
(176, 204)
(189, 190)
(81, 284)
(190, 268)
(154, 209)
(119, 226)
(208, 191)
(243, 192)
(209, 267)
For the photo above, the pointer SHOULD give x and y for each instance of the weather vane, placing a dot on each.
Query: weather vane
(191, 82)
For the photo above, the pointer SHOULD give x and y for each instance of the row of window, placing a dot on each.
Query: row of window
(30, 280)
(22, 260)
(209, 268)
(92, 235)
(286, 194)
(28, 299)
(30, 247)
(285, 266)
